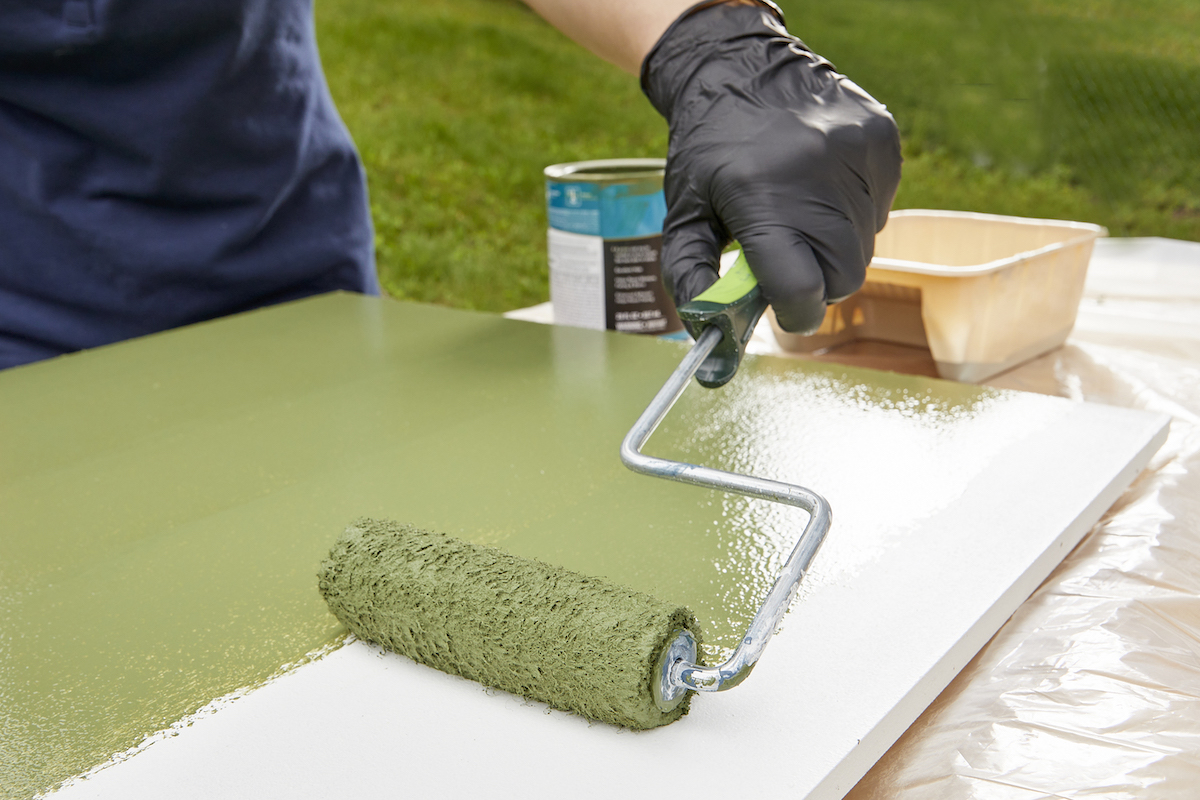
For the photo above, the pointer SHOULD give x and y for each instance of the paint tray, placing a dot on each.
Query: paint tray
(982, 293)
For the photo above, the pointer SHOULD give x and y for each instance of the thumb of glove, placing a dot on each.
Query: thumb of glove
(690, 258)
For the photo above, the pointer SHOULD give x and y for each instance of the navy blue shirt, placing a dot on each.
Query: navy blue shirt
(164, 162)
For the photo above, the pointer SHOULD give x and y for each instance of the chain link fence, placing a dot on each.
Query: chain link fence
(1102, 94)
(1128, 126)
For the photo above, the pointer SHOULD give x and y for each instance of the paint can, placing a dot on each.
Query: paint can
(605, 245)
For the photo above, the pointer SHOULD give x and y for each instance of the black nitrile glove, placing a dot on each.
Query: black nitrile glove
(772, 147)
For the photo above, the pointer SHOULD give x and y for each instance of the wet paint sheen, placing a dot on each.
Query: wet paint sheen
(167, 501)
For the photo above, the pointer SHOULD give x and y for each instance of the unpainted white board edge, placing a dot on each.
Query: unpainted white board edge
(850, 771)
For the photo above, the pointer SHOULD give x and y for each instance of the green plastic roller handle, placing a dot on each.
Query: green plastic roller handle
(733, 304)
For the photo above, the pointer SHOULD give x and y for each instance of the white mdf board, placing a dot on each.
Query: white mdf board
(856, 661)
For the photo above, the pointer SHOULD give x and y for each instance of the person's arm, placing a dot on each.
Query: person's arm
(619, 31)
(769, 145)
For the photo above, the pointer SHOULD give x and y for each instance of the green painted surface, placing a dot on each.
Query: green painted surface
(167, 501)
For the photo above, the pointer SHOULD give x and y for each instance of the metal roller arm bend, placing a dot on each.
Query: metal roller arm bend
(678, 670)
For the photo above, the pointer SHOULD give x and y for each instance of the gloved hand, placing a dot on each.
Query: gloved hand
(772, 147)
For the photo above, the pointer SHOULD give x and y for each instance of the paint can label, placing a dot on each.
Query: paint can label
(605, 246)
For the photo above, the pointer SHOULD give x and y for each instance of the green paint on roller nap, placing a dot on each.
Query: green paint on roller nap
(577, 643)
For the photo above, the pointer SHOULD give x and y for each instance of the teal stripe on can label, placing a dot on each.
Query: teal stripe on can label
(615, 211)
(605, 245)
(574, 207)
(625, 214)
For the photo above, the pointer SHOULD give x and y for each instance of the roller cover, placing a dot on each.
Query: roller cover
(577, 643)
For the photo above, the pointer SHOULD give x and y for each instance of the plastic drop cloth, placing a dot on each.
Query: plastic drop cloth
(1092, 689)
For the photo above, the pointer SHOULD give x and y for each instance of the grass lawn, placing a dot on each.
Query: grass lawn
(1038, 108)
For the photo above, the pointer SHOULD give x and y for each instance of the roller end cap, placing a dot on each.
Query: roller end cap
(669, 691)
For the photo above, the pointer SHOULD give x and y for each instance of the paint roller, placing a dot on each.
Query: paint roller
(577, 643)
